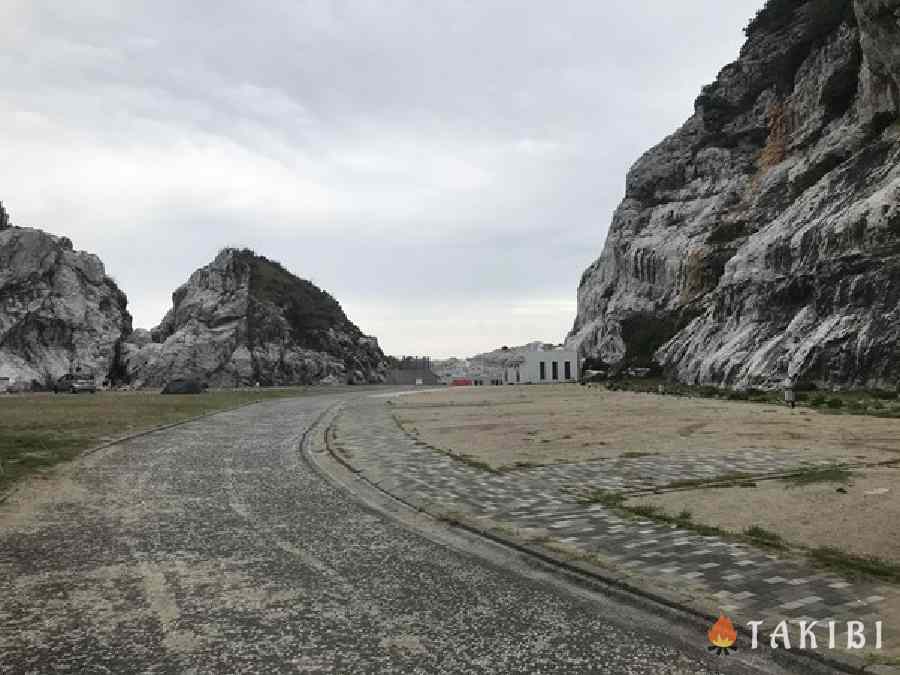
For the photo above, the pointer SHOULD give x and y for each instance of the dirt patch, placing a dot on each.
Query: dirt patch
(509, 426)
(863, 519)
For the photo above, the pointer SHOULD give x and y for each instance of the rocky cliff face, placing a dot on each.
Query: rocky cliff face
(58, 309)
(244, 319)
(761, 241)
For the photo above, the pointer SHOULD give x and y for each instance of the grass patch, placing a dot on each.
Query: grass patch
(656, 385)
(469, 460)
(685, 520)
(526, 465)
(450, 517)
(893, 413)
(474, 462)
(38, 431)
(567, 551)
(637, 455)
(308, 310)
(827, 474)
(763, 537)
(646, 511)
(873, 402)
(853, 565)
(881, 660)
(827, 557)
(616, 501)
(607, 498)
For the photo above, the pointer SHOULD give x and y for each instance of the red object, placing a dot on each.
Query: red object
(461, 382)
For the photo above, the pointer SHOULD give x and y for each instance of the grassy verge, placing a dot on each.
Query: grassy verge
(863, 402)
(825, 474)
(854, 565)
(40, 430)
(881, 660)
(684, 520)
(825, 557)
(469, 460)
(763, 537)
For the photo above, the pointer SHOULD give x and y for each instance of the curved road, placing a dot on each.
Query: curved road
(215, 547)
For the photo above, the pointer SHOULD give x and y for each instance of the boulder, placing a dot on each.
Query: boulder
(184, 387)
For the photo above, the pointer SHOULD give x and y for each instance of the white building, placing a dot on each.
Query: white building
(542, 367)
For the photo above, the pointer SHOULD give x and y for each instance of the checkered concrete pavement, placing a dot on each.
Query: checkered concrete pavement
(738, 579)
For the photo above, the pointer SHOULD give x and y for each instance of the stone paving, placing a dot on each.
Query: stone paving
(645, 473)
(741, 580)
(214, 547)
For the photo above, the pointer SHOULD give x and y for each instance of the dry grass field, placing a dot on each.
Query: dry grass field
(863, 519)
(516, 426)
(40, 430)
(853, 510)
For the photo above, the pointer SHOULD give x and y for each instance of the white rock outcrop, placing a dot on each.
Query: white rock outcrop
(761, 241)
(244, 319)
(58, 309)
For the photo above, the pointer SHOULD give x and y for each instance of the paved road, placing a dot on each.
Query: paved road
(214, 547)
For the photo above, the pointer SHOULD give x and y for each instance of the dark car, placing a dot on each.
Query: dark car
(75, 384)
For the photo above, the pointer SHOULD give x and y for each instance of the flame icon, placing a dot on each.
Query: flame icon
(722, 635)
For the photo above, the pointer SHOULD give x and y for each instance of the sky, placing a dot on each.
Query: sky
(446, 169)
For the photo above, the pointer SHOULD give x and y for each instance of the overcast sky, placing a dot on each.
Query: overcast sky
(446, 169)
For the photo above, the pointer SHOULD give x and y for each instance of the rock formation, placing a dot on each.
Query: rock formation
(761, 241)
(244, 319)
(58, 309)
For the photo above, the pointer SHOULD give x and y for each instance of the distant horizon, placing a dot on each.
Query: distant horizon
(446, 174)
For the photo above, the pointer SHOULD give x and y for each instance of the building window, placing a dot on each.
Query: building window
(518, 376)
(543, 371)
(555, 370)
(568, 367)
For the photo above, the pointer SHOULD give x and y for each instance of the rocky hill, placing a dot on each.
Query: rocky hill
(58, 309)
(761, 241)
(244, 319)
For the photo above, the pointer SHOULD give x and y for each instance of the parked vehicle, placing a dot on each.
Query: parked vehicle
(75, 383)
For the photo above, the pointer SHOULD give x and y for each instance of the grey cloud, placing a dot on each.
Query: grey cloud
(447, 169)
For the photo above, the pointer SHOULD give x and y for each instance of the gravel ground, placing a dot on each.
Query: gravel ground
(214, 547)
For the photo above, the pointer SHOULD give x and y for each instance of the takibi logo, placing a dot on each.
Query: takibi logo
(722, 635)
